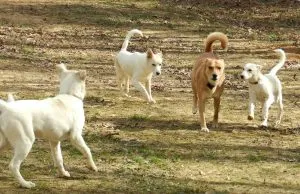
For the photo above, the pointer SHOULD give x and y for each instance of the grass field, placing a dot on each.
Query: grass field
(143, 148)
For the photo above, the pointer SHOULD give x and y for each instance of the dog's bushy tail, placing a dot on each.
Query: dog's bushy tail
(128, 36)
(280, 63)
(212, 37)
(62, 67)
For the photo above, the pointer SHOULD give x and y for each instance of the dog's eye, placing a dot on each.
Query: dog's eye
(249, 70)
(210, 68)
(159, 64)
(219, 68)
(153, 65)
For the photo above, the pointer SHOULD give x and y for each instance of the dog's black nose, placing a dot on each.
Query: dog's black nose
(157, 73)
(214, 76)
(242, 76)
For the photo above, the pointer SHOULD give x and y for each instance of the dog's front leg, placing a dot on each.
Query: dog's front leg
(201, 104)
(252, 99)
(58, 159)
(148, 88)
(78, 141)
(217, 101)
(142, 89)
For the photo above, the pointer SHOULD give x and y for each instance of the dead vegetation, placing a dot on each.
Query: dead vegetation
(141, 148)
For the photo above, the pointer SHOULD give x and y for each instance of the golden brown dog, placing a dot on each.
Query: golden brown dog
(208, 79)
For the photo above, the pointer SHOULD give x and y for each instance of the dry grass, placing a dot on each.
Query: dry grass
(141, 148)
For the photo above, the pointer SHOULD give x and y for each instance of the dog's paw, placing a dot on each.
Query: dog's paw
(126, 95)
(277, 123)
(152, 101)
(205, 129)
(215, 125)
(28, 184)
(65, 174)
(95, 168)
(194, 110)
(264, 125)
(250, 118)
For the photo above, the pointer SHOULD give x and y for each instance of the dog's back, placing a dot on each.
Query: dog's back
(51, 117)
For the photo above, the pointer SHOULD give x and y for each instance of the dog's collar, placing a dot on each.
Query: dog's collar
(80, 98)
(253, 83)
(210, 86)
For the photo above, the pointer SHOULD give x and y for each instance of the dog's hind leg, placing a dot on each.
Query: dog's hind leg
(78, 141)
(127, 81)
(280, 111)
(195, 100)
(265, 111)
(120, 77)
(57, 158)
(3, 141)
(21, 149)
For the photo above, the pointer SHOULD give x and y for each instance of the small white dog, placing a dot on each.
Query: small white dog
(139, 67)
(54, 119)
(264, 88)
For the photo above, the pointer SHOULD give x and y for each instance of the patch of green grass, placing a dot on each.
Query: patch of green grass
(138, 117)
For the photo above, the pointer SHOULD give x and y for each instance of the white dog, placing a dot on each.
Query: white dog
(54, 119)
(264, 88)
(137, 66)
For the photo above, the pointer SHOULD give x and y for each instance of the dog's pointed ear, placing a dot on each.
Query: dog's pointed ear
(61, 67)
(150, 53)
(222, 61)
(259, 67)
(160, 54)
(81, 74)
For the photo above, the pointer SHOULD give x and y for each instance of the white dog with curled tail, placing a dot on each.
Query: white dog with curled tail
(54, 119)
(264, 88)
(139, 67)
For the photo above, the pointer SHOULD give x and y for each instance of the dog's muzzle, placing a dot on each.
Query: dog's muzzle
(157, 73)
(242, 77)
(214, 77)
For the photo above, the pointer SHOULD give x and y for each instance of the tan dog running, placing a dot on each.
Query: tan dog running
(208, 79)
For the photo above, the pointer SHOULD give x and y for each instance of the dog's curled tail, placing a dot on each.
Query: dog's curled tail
(62, 67)
(128, 36)
(280, 63)
(212, 37)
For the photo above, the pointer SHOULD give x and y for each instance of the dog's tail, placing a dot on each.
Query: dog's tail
(62, 67)
(10, 98)
(212, 37)
(3, 106)
(280, 63)
(128, 36)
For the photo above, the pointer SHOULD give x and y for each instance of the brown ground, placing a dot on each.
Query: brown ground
(142, 148)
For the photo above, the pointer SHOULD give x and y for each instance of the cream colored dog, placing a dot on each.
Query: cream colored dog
(139, 67)
(54, 119)
(208, 79)
(265, 88)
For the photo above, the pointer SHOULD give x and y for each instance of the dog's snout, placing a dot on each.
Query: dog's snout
(242, 76)
(214, 76)
(157, 73)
